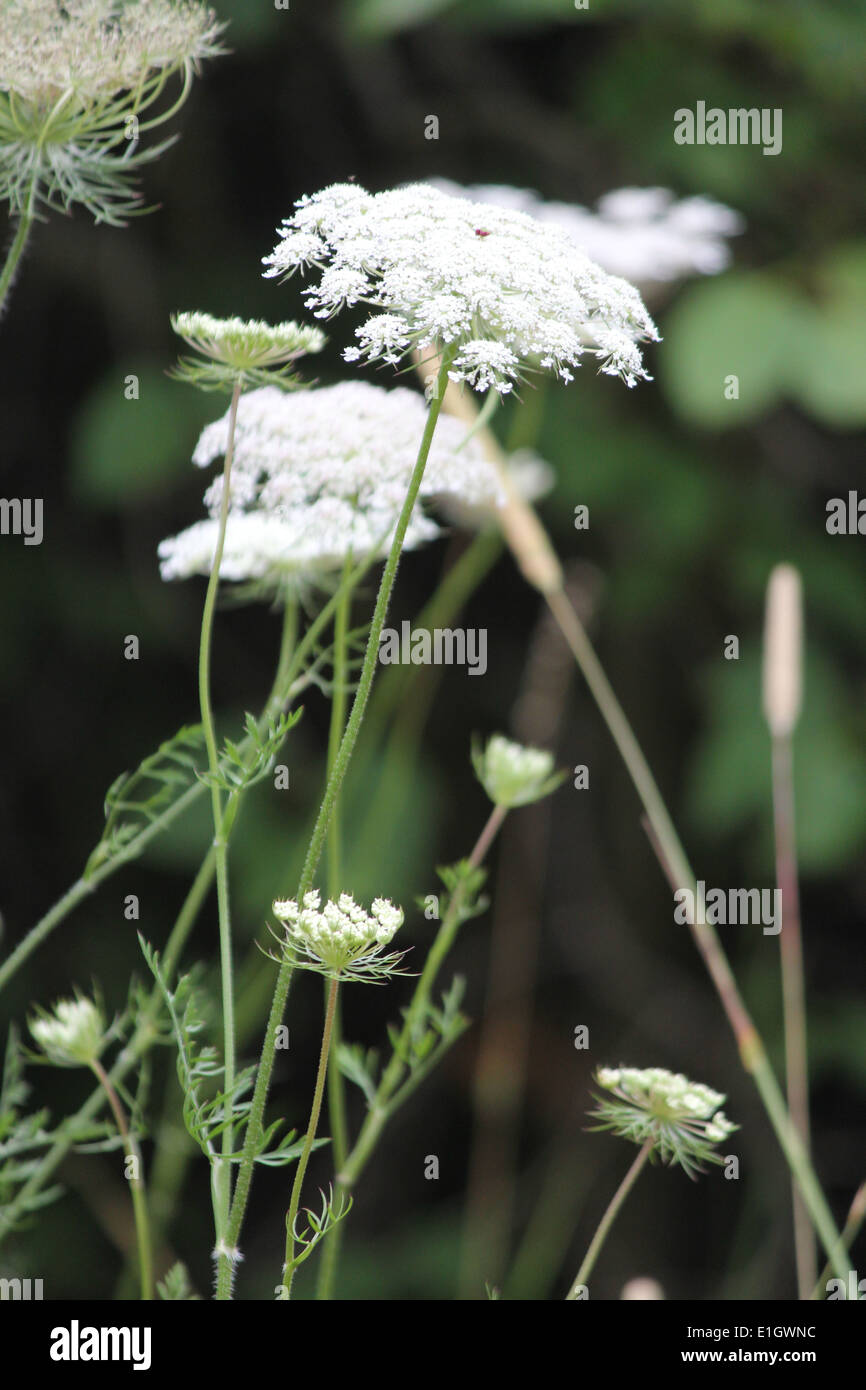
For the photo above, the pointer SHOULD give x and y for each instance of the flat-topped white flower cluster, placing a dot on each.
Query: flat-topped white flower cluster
(507, 294)
(340, 938)
(646, 235)
(95, 48)
(321, 474)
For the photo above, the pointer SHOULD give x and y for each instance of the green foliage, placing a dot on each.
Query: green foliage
(136, 800)
(728, 789)
(117, 460)
(176, 1284)
(781, 343)
(207, 1110)
(242, 767)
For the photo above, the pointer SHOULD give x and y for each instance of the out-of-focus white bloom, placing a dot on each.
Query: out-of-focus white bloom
(645, 235)
(320, 475)
(682, 1118)
(506, 293)
(94, 48)
(299, 544)
(340, 940)
(72, 1034)
(511, 773)
(76, 78)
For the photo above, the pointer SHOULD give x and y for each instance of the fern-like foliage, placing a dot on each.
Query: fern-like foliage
(435, 1030)
(209, 1110)
(242, 765)
(136, 800)
(177, 1285)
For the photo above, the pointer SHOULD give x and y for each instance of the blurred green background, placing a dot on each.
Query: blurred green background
(692, 500)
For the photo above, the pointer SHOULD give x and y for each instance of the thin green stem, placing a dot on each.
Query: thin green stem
(223, 1177)
(337, 1117)
(16, 250)
(673, 859)
(793, 995)
(315, 1112)
(136, 1182)
(608, 1219)
(853, 1225)
(380, 1109)
(335, 781)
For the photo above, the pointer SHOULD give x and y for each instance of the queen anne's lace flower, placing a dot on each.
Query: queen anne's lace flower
(506, 293)
(322, 474)
(73, 1034)
(512, 774)
(644, 234)
(682, 1117)
(341, 939)
(75, 78)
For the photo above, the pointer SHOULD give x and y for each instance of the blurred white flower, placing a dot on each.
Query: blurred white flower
(682, 1118)
(646, 235)
(513, 774)
(508, 294)
(72, 1034)
(320, 475)
(76, 78)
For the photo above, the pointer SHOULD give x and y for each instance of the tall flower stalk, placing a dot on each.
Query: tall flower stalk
(255, 1127)
(782, 699)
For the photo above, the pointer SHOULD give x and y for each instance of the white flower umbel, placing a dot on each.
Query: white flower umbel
(512, 774)
(682, 1118)
(76, 78)
(72, 1034)
(298, 547)
(506, 293)
(646, 235)
(321, 475)
(340, 940)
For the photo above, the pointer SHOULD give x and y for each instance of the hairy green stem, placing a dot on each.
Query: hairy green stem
(336, 1081)
(608, 1219)
(223, 1177)
(315, 1112)
(16, 249)
(335, 781)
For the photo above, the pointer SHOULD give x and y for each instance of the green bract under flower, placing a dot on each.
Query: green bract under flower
(341, 940)
(245, 350)
(76, 78)
(683, 1118)
(505, 293)
(72, 1034)
(511, 774)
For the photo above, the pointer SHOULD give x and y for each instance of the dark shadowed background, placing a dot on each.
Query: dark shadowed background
(692, 500)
